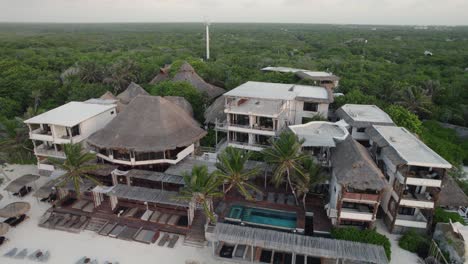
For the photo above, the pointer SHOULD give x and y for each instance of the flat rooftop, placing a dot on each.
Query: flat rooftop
(70, 114)
(408, 147)
(304, 74)
(363, 115)
(256, 107)
(282, 69)
(279, 91)
(320, 133)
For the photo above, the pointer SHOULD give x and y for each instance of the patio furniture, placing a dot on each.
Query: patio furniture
(106, 229)
(81, 222)
(259, 197)
(89, 208)
(147, 236)
(146, 216)
(116, 231)
(80, 204)
(173, 220)
(163, 240)
(131, 212)
(163, 219)
(45, 217)
(74, 219)
(173, 241)
(128, 233)
(45, 257)
(35, 255)
(271, 197)
(290, 200)
(154, 218)
(281, 199)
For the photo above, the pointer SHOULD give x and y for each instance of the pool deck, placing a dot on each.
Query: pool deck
(314, 204)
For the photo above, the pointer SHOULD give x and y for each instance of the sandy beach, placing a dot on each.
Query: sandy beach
(66, 247)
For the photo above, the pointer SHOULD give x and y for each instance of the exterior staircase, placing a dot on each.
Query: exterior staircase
(196, 235)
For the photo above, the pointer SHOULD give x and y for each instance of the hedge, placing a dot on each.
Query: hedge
(363, 236)
(416, 243)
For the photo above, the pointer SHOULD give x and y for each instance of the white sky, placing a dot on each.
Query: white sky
(427, 12)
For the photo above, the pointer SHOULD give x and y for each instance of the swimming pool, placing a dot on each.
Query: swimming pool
(263, 217)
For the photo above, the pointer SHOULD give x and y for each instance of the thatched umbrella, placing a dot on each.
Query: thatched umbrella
(4, 228)
(18, 183)
(15, 209)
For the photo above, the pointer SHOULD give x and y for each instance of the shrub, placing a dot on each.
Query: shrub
(442, 216)
(363, 236)
(415, 242)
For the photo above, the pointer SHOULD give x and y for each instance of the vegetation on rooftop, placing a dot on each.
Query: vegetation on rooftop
(415, 242)
(442, 216)
(364, 236)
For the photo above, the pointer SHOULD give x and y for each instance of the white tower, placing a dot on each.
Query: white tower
(207, 25)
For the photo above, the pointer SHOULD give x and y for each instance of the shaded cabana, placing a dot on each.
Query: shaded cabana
(20, 182)
(15, 209)
(297, 244)
(150, 179)
(143, 194)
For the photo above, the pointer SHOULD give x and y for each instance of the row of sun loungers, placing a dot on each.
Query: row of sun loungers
(86, 260)
(65, 222)
(37, 255)
(171, 241)
(129, 233)
(84, 205)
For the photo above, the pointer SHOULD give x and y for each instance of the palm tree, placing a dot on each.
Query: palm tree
(121, 74)
(231, 168)
(415, 100)
(76, 166)
(90, 72)
(14, 141)
(201, 187)
(285, 154)
(312, 176)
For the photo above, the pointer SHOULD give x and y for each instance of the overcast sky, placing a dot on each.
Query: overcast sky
(426, 12)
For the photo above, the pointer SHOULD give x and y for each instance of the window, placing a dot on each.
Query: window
(361, 129)
(75, 131)
(311, 107)
(406, 211)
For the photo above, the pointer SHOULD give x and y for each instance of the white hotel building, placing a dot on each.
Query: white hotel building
(67, 124)
(258, 111)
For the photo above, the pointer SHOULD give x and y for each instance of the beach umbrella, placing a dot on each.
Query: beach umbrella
(15, 209)
(4, 228)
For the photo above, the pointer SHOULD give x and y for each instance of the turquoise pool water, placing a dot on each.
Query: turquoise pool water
(265, 217)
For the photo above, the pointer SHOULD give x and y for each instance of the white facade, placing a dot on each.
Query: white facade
(257, 112)
(69, 124)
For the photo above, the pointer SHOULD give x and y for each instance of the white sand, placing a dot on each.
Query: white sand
(399, 255)
(68, 248)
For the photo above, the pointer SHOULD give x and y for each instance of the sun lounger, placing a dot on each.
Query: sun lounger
(86, 260)
(11, 253)
(173, 220)
(106, 229)
(131, 212)
(146, 236)
(155, 216)
(81, 223)
(116, 231)
(89, 208)
(80, 204)
(45, 257)
(281, 198)
(139, 213)
(22, 254)
(45, 217)
(258, 197)
(146, 216)
(163, 219)
(128, 233)
(74, 219)
(173, 241)
(163, 240)
(65, 220)
(271, 197)
(290, 200)
(240, 251)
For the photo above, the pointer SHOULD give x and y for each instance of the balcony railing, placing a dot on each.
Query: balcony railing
(361, 197)
(45, 151)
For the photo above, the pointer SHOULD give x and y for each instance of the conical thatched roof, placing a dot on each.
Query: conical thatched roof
(188, 74)
(110, 96)
(14, 209)
(451, 194)
(132, 91)
(354, 167)
(163, 75)
(215, 112)
(149, 124)
(181, 102)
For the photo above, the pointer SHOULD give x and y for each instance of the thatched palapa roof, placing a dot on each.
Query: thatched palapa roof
(187, 73)
(149, 124)
(215, 112)
(451, 194)
(181, 102)
(163, 75)
(132, 91)
(354, 167)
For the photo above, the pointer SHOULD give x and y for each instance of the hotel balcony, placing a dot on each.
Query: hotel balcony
(362, 213)
(420, 200)
(360, 197)
(416, 221)
(246, 145)
(43, 150)
(421, 178)
(40, 134)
